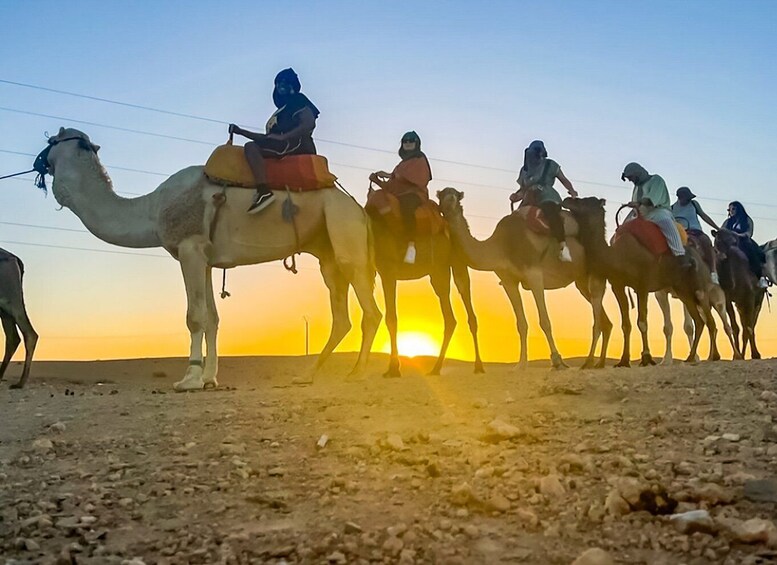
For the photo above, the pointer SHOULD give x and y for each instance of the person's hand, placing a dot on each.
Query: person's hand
(383, 175)
(573, 193)
(634, 205)
(374, 177)
(234, 128)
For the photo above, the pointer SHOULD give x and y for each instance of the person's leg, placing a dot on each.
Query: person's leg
(408, 204)
(665, 221)
(255, 152)
(552, 212)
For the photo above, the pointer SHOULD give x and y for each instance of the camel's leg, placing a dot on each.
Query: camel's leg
(363, 282)
(662, 297)
(441, 283)
(191, 254)
(30, 341)
(338, 304)
(718, 301)
(462, 282)
(598, 288)
(582, 286)
(211, 334)
(712, 328)
(537, 287)
(688, 328)
(623, 305)
(390, 295)
(12, 340)
(642, 307)
(759, 300)
(698, 313)
(734, 328)
(510, 287)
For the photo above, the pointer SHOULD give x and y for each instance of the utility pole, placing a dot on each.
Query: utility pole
(307, 336)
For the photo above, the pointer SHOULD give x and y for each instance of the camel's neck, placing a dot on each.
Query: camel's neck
(593, 238)
(85, 188)
(477, 253)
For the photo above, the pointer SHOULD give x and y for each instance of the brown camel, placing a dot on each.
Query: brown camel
(519, 256)
(740, 285)
(14, 315)
(627, 263)
(436, 258)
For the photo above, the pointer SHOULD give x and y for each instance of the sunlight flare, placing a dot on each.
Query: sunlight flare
(413, 344)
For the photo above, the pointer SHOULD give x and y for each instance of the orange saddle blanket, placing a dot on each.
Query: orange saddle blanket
(648, 234)
(535, 220)
(384, 205)
(227, 165)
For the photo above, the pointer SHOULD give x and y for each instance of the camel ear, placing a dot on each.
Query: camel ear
(61, 131)
(438, 194)
(459, 195)
(95, 147)
(714, 233)
(602, 202)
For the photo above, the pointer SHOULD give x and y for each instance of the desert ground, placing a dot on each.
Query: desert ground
(100, 462)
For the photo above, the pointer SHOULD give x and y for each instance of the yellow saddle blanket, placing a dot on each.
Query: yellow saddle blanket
(227, 165)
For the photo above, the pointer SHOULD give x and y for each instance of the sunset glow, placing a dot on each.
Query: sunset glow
(413, 344)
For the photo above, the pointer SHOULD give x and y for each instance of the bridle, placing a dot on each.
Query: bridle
(41, 164)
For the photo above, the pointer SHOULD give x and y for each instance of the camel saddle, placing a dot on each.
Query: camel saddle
(383, 204)
(648, 234)
(535, 219)
(228, 166)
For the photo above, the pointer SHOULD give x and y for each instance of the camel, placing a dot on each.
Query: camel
(436, 258)
(740, 285)
(519, 256)
(628, 263)
(204, 225)
(14, 315)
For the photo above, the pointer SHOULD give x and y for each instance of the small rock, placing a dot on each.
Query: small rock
(594, 556)
(769, 396)
(471, 530)
(527, 517)
(42, 445)
(713, 494)
(393, 545)
(498, 503)
(352, 528)
(322, 441)
(336, 557)
(693, 521)
(763, 490)
(731, 437)
(615, 504)
(551, 487)
(395, 443)
(57, 427)
(497, 431)
(755, 530)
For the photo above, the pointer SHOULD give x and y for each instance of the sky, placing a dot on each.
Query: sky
(684, 88)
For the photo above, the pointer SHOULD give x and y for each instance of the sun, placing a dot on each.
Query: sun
(413, 344)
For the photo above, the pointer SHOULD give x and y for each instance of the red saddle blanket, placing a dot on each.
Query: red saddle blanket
(535, 220)
(646, 233)
(384, 205)
(227, 165)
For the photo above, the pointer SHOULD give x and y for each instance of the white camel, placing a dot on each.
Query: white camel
(204, 225)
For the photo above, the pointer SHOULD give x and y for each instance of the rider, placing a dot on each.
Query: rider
(687, 212)
(536, 180)
(651, 197)
(289, 131)
(409, 182)
(741, 224)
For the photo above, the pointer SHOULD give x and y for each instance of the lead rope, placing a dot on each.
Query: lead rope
(289, 213)
(224, 293)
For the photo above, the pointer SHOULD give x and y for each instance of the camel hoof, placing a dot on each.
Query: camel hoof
(16, 386)
(210, 383)
(756, 355)
(558, 362)
(623, 364)
(302, 381)
(647, 360)
(600, 365)
(691, 360)
(667, 362)
(392, 373)
(520, 366)
(189, 383)
(479, 369)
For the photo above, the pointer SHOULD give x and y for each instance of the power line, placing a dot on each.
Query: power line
(84, 249)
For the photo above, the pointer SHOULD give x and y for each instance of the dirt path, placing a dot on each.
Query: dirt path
(101, 463)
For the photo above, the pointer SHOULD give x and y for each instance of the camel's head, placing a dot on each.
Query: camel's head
(725, 241)
(69, 143)
(450, 201)
(590, 206)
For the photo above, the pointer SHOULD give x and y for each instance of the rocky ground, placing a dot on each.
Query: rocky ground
(101, 463)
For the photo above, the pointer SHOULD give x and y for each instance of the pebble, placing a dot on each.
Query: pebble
(594, 556)
(731, 437)
(551, 487)
(497, 431)
(395, 443)
(693, 521)
(43, 445)
(57, 427)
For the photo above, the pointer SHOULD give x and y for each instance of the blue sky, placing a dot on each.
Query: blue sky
(685, 88)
